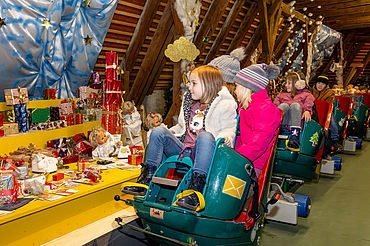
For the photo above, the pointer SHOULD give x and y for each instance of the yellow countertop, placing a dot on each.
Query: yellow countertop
(42, 221)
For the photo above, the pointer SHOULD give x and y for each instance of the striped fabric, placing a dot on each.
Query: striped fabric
(252, 77)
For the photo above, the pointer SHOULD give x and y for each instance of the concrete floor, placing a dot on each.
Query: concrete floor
(340, 209)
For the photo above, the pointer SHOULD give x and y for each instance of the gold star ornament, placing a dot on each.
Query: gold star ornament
(46, 24)
(87, 40)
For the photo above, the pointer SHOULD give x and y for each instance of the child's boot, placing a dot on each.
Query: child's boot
(293, 143)
(143, 180)
(192, 201)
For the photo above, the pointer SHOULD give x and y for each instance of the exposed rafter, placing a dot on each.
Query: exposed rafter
(224, 30)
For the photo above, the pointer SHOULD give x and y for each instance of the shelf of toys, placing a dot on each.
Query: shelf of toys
(40, 137)
(41, 221)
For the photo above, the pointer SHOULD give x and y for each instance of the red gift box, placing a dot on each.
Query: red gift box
(79, 119)
(49, 93)
(111, 121)
(70, 159)
(82, 145)
(110, 65)
(58, 176)
(70, 119)
(1, 125)
(135, 159)
(82, 165)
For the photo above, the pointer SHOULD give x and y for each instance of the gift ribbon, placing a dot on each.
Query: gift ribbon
(114, 66)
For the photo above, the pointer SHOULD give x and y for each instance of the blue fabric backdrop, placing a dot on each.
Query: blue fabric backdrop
(36, 55)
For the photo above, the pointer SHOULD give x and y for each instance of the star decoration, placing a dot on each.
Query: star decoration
(46, 24)
(87, 40)
(86, 3)
(2, 22)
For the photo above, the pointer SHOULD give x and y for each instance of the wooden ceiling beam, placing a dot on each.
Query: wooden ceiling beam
(141, 30)
(209, 22)
(244, 27)
(152, 54)
(233, 14)
(286, 11)
(360, 70)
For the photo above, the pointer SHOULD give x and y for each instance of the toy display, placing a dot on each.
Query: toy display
(103, 143)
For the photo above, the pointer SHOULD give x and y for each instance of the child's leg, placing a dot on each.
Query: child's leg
(162, 141)
(333, 129)
(295, 114)
(286, 109)
(204, 147)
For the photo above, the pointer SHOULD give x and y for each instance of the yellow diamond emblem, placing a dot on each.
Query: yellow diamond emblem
(234, 186)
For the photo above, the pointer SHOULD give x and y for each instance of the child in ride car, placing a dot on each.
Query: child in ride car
(208, 112)
(297, 104)
(259, 117)
(321, 91)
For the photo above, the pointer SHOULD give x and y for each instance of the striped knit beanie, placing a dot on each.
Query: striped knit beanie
(229, 65)
(257, 76)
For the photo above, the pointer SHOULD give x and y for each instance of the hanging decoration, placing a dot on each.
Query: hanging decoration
(2, 22)
(87, 40)
(188, 12)
(181, 49)
(323, 46)
(42, 46)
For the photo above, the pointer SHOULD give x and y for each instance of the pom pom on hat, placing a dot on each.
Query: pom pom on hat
(257, 76)
(229, 65)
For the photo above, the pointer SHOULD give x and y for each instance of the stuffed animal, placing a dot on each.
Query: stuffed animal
(153, 120)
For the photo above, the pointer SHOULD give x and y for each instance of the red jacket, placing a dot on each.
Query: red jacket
(303, 97)
(257, 128)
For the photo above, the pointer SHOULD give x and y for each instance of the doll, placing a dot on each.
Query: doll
(152, 121)
(131, 120)
(103, 143)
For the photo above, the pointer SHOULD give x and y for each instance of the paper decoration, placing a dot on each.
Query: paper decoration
(181, 49)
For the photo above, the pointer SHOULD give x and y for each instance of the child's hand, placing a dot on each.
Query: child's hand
(229, 142)
(306, 116)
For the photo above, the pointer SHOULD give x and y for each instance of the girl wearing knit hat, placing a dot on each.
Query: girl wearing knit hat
(208, 112)
(297, 104)
(259, 118)
(321, 91)
(229, 66)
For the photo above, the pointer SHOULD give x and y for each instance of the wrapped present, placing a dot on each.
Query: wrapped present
(8, 116)
(49, 93)
(20, 112)
(48, 126)
(110, 65)
(9, 187)
(10, 128)
(85, 92)
(136, 150)
(58, 176)
(1, 125)
(66, 107)
(82, 165)
(111, 119)
(54, 113)
(135, 159)
(78, 119)
(60, 145)
(40, 115)
(82, 145)
(16, 96)
(70, 119)
(70, 159)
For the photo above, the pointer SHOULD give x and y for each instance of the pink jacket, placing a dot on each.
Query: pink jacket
(257, 128)
(303, 97)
